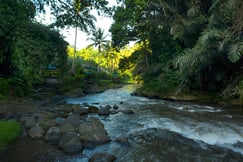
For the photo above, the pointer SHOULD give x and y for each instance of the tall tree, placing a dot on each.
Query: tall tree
(99, 40)
(76, 13)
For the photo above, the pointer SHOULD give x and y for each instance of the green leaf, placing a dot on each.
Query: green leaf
(235, 52)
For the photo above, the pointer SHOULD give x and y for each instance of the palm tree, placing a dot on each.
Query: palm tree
(99, 40)
(75, 14)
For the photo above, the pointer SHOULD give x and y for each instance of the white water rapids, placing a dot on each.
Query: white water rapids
(206, 126)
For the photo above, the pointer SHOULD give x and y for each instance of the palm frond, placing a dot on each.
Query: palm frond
(208, 35)
(235, 51)
(226, 37)
(216, 5)
(189, 58)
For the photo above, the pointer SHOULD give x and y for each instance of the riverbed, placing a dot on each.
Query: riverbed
(157, 130)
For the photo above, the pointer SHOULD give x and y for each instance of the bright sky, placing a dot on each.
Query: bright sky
(102, 22)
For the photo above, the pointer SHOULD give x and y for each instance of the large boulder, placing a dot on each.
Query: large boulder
(67, 127)
(92, 132)
(36, 132)
(53, 135)
(102, 157)
(70, 143)
(48, 124)
(74, 119)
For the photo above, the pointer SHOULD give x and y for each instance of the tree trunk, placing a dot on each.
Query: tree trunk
(99, 59)
(75, 50)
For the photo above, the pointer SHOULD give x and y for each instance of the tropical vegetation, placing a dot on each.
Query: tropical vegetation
(188, 45)
(191, 47)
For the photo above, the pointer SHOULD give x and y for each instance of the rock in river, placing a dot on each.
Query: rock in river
(53, 135)
(92, 132)
(36, 132)
(73, 119)
(70, 143)
(104, 111)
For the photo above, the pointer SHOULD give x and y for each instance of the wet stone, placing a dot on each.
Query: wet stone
(93, 109)
(104, 111)
(123, 141)
(30, 122)
(70, 143)
(66, 127)
(115, 107)
(128, 111)
(73, 119)
(36, 132)
(53, 135)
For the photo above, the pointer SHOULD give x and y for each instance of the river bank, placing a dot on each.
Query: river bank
(54, 128)
(45, 98)
(193, 97)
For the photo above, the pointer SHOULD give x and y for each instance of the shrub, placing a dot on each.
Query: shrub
(10, 131)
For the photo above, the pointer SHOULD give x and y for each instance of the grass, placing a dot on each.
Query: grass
(9, 131)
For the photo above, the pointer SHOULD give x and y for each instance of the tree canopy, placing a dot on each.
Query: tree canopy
(194, 44)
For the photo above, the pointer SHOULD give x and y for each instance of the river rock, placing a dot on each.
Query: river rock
(36, 132)
(104, 111)
(48, 124)
(63, 114)
(53, 135)
(92, 132)
(128, 111)
(66, 127)
(41, 117)
(81, 111)
(102, 157)
(70, 143)
(115, 107)
(74, 119)
(108, 106)
(29, 122)
(75, 107)
(122, 141)
(93, 109)
(59, 121)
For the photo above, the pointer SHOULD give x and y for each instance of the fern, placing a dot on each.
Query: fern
(190, 58)
(208, 36)
(235, 52)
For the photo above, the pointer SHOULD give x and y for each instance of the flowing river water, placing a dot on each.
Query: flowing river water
(165, 131)
(169, 131)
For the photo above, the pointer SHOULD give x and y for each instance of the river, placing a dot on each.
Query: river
(164, 131)
(169, 131)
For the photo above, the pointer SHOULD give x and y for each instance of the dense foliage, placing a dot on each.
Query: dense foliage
(188, 45)
(26, 47)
